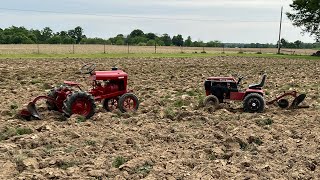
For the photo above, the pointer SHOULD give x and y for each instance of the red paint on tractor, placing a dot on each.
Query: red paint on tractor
(106, 85)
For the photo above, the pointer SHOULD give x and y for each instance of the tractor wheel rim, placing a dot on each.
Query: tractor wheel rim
(254, 104)
(112, 104)
(81, 106)
(129, 104)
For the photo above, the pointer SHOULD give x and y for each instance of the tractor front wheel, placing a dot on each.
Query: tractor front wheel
(128, 103)
(253, 103)
(211, 100)
(80, 103)
(110, 104)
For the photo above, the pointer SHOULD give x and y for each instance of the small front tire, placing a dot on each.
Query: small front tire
(211, 100)
(128, 103)
(110, 104)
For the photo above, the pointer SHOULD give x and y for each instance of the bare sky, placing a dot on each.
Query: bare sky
(225, 20)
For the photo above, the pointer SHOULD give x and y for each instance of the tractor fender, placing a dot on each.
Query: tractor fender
(250, 91)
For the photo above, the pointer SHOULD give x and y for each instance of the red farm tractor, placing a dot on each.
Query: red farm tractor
(108, 87)
(219, 89)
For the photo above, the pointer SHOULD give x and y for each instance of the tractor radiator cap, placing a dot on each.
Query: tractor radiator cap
(114, 68)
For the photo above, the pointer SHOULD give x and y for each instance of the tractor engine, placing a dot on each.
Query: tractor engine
(111, 86)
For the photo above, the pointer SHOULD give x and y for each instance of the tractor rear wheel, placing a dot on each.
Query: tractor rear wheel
(211, 100)
(53, 93)
(110, 104)
(253, 103)
(80, 103)
(128, 103)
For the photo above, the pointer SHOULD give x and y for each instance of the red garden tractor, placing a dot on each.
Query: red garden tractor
(108, 87)
(219, 89)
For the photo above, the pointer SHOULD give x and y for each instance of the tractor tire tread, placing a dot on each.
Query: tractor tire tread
(249, 96)
(123, 97)
(67, 104)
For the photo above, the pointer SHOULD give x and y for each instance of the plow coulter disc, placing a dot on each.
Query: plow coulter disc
(283, 103)
(298, 100)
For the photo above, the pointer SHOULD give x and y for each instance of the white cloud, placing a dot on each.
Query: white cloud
(160, 17)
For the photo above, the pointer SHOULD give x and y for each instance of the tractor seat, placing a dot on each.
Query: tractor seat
(260, 85)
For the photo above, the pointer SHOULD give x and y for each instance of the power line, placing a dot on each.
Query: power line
(141, 17)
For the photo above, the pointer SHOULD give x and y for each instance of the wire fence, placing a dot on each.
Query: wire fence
(122, 49)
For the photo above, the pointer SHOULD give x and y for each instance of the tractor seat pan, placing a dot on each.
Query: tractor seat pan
(260, 85)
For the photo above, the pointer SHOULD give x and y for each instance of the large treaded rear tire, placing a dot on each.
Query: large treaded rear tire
(253, 103)
(80, 103)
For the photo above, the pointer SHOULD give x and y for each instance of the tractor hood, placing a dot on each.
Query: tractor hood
(108, 75)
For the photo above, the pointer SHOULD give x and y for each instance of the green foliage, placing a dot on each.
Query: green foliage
(144, 169)
(306, 14)
(22, 131)
(166, 39)
(90, 142)
(81, 119)
(151, 43)
(118, 161)
(8, 132)
(21, 35)
(264, 122)
(177, 40)
(188, 42)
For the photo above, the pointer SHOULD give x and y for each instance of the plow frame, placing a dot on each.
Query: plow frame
(295, 104)
(292, 93)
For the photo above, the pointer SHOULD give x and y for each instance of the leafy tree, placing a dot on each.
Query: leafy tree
(72, 34)
(298, 44)
(151, 36)
(151, 42)
(166, 39)
(63, 33)
(120, 42)
(177, 40)
(188, 42)
(136, 32)
(307, 15)
(55, 40)
(46, 34)
(68, 40)
(78, 32)
(198, 44)
(214, 44)
(284, 43)
(159, 42)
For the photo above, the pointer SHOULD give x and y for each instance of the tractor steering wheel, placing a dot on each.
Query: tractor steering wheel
(88, 68)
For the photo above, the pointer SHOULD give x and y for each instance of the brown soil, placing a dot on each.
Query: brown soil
(171, 136)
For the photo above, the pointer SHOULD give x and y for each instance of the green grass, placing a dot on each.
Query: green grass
(118, 161)
(149, 55)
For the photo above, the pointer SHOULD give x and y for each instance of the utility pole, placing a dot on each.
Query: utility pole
(279, 43)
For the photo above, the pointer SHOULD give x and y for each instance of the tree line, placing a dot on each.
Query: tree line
(21, 35)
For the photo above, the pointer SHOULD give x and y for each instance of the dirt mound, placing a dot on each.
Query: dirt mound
(171, 136)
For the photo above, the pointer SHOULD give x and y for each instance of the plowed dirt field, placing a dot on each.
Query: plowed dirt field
(171, 136)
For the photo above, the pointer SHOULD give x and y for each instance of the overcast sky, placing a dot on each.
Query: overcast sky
(225, 20)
